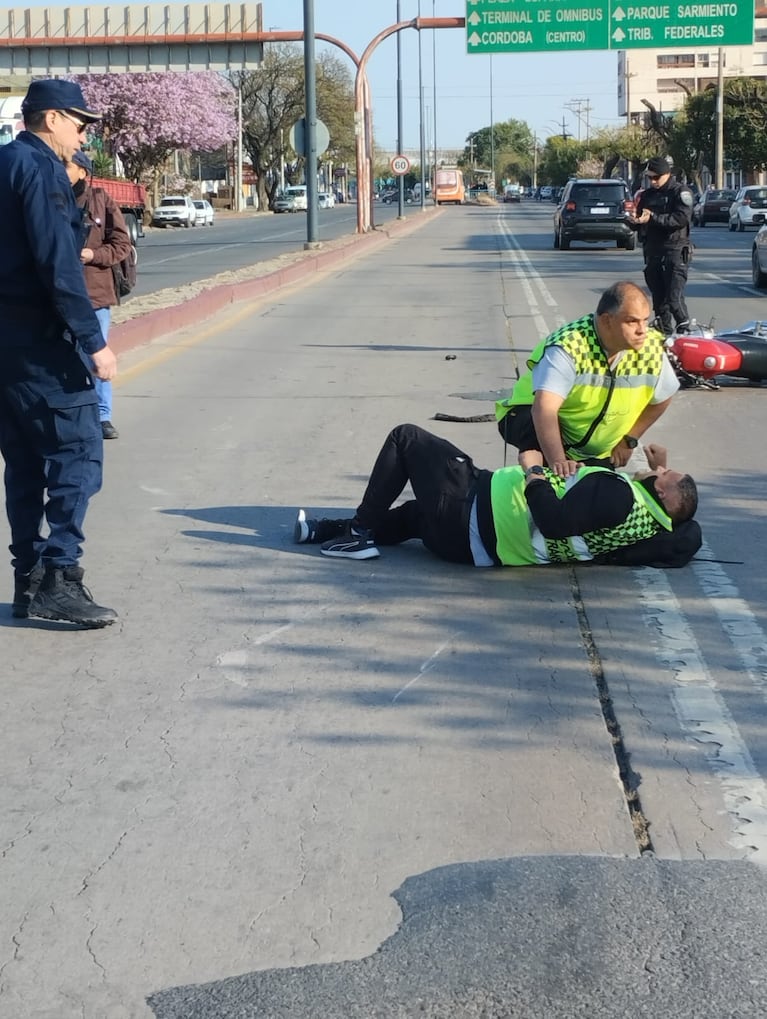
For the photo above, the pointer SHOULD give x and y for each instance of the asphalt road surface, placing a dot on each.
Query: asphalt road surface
(287, 786)
(173, 256)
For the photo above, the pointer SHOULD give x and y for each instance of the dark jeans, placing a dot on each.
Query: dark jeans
(50, 439)
(443, 479)
(666, 278)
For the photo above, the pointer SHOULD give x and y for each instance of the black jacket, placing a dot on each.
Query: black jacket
(669, 227)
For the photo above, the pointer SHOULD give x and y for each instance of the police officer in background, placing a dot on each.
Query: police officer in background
(50, 344)
(662, 219)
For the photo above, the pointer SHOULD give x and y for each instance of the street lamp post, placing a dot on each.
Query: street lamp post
(421, 112)
(434, 89)
(492, 129)
(400, 178)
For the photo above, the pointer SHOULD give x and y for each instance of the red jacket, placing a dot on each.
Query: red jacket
(109, 240)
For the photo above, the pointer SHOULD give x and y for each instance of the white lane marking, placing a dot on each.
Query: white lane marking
(738, 621)
(427, 666)
(704, 717)
(528, 276)
(235, 663)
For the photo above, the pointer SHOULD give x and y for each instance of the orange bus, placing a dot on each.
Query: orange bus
(449, 187)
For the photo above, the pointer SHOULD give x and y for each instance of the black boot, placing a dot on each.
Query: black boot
(62, 595)
(25, 587)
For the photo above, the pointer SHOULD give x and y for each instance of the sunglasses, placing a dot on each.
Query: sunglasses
(653, 176)
(79, 124)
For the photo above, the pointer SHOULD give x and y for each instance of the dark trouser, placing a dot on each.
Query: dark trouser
(443, 479)
(517, 428)
(666, 277)
(50, 438)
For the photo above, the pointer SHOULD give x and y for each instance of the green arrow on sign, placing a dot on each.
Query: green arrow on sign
(519, 26)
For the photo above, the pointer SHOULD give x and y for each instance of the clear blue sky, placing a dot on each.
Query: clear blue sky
(533, 87)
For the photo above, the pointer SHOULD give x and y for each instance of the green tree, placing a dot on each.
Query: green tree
(744, 124)
(509, 144)
(273, 99)
(559, 160)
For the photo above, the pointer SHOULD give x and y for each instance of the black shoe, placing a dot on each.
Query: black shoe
(25, 587)
(109, 431)
(355, 544)
(62, 595)
(314, 532)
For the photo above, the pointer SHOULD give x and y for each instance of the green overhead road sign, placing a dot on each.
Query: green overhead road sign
(526, 26)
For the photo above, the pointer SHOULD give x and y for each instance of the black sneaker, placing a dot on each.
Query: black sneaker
(352, 545)
(108, 430)
(314, 532)
(62, 595)
(25, 587)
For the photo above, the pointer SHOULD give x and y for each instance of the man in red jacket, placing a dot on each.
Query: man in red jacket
(107, 243)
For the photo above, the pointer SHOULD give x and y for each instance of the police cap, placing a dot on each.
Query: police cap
(82, 160)
(658, 165)
(56, 94)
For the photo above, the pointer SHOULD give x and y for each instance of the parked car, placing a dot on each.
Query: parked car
(204, 213)
(292, 199)
(175, 210)
(325, 200)
(545, 192)
(594, 210)
(713, 206)
(759, 259)
(749, 207)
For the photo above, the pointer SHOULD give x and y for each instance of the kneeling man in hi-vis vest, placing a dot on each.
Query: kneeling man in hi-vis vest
(593, 387)
(525, 515)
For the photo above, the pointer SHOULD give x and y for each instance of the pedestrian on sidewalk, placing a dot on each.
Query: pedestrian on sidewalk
(51, 345)
(525, 515)
(593, 387)
(107, 243)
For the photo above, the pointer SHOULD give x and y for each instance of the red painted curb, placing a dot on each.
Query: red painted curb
(148, 327)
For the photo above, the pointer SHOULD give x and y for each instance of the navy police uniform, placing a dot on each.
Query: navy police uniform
(667, 249)
(50, 436)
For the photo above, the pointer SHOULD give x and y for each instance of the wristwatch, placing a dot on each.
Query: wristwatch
(536, 471)
(630, 441)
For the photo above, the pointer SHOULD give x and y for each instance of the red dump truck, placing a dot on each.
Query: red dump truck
(132, 201)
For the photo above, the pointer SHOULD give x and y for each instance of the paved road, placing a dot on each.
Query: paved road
(172, 256)
(276, 765)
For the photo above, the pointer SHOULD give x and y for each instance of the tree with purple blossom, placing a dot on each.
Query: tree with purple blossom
(147, 116)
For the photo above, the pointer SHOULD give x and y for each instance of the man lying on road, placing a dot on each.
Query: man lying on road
(525, 515)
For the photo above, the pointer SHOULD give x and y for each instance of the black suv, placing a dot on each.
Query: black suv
(594, 210)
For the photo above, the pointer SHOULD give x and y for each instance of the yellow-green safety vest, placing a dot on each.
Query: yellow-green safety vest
(635, 377)
(520, 543)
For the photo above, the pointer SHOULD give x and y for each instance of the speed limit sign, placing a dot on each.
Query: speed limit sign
(399, 165)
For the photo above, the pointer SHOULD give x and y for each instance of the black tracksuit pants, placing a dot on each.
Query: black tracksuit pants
(443, 479)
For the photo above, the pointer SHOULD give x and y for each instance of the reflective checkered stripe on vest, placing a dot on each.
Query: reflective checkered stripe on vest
(636, 376)
(520, 543)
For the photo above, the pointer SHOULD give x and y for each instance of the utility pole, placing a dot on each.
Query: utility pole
(577, 105)
(719, 170)
(400, 178)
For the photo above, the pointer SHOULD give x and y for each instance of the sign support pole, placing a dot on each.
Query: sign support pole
(310, 76)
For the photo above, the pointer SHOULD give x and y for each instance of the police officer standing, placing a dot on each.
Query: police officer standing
(662, 218)
(51, 345)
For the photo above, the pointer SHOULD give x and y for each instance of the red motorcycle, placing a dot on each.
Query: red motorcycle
(699, 354)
